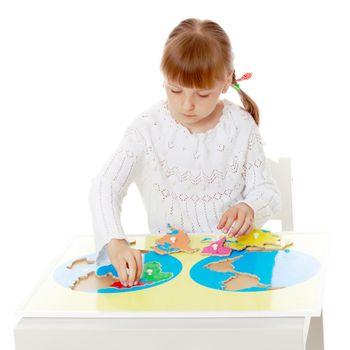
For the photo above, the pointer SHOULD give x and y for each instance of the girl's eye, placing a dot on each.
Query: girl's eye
(177, 92)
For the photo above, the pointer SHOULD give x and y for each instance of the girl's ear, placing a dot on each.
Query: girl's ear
(226, 87)
(229, 77)
(228, 82)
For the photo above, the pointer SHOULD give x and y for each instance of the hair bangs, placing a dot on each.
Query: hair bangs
(193, 63)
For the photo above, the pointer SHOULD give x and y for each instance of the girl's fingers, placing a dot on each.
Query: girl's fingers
(250, 229)
(238, 223)
(228, 224)
(132, 270)
(138, 257)
(222, 222)
(120, 266)
(230, 219)
(245, 227)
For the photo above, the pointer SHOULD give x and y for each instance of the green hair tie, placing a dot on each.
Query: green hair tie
(245, 76)
(236, 86)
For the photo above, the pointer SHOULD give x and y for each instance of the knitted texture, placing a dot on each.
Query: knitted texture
(185, 179)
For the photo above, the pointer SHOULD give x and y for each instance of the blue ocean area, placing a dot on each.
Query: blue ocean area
(278, 269)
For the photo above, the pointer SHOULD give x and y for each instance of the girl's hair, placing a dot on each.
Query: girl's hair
(198, 53)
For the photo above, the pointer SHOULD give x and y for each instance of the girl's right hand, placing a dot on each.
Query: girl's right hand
(123, 257)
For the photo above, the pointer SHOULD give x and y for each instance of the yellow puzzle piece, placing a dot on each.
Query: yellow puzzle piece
(257, 238)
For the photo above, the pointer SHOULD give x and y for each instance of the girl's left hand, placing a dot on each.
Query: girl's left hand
(241, 217)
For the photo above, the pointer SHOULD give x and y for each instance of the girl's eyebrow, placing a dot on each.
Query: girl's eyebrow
(179, 87)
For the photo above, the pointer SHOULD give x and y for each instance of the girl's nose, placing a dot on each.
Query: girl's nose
(188, 104)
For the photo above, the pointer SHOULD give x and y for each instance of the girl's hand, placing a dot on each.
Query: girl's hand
(241, 217)
(122, 257)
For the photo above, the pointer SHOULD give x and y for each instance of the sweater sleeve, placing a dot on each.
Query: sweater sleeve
(260, 191)
(109, 188)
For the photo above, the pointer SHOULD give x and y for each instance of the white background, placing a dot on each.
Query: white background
(73, 74)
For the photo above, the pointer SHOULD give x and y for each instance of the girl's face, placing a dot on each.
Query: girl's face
(192, 106)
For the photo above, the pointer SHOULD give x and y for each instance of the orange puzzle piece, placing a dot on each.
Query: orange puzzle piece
(174, 241)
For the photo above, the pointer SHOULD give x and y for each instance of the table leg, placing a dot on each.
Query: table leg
(315, 339)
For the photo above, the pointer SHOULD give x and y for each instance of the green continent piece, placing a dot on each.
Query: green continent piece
(152, 272)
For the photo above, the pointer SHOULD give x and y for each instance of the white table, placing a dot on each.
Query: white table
(87, 323)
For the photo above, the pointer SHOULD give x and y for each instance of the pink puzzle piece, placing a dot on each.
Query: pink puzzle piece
(217, 248)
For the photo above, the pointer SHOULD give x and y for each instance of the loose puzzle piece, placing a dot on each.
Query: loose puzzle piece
(217, 248)
(152, 272)
(257, 241)
(173, 242)
(269, 247)
(261, 240)
(118, 284)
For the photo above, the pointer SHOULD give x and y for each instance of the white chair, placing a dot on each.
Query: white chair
(282, 173)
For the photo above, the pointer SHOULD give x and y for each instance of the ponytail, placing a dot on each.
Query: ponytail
(249, 105)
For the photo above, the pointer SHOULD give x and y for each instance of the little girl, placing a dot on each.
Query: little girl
(197, 161)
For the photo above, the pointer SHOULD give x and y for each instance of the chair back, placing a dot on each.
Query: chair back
(281, 172)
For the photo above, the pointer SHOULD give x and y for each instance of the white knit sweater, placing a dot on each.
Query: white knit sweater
(187, 180)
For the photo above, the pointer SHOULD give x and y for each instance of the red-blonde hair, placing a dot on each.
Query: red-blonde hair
(198, 53)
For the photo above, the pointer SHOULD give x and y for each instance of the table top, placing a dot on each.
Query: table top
(189, 291)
